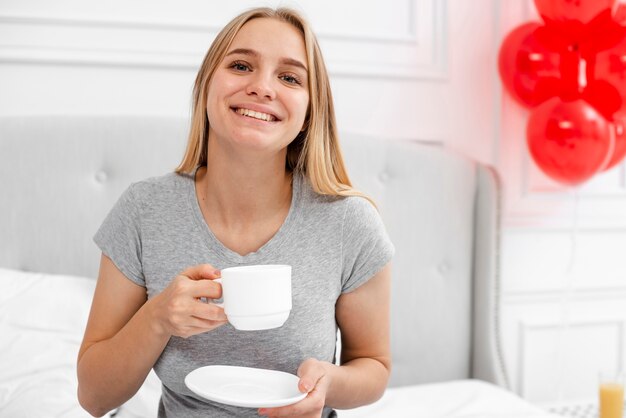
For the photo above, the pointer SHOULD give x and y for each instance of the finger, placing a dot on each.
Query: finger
(201, 271)
(206, 289)
(310, 372)
(284, 411)
(201, 323)
(199, 328)
(205, 324)
(209, 312)
(312, 405)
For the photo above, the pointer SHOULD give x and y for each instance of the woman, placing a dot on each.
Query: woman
(262, 182)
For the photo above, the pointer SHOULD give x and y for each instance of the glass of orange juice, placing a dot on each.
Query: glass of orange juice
(611, 394)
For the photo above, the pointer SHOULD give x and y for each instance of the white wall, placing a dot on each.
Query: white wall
(141, 57)
(564, 276)
(419, 69)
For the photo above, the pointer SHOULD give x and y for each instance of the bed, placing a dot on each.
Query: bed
(61, 174)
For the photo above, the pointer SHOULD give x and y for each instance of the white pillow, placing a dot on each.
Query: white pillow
(42, 321)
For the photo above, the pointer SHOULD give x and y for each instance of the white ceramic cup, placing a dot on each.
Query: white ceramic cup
(256, 297)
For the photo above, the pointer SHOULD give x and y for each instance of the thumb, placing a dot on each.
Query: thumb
(310, 372)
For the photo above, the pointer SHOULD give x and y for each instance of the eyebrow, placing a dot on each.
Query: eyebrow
(253, 53)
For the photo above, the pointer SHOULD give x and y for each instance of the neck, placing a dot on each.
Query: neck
(243, 192)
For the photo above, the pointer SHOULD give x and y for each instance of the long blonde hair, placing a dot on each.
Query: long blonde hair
(315, 151)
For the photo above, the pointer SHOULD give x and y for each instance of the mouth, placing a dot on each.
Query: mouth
(267, 117)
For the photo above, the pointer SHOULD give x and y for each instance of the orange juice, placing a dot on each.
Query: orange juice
(611, 400)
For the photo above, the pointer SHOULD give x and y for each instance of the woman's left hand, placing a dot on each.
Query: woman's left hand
(315, 380)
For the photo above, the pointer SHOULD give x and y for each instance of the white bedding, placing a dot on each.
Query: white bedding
(456, 399)
(42, 319)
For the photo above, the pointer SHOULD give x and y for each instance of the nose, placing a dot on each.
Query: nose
(261, 85)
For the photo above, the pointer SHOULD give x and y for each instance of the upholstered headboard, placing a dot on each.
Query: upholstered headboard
(60, 175)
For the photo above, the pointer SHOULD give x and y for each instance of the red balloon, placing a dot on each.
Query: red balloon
(569, 141)
(576, 20)
(619, 131)
(529, 71)
(583, 11)
(620, 13)
(609, 66)
(602, 33)
(604, 97)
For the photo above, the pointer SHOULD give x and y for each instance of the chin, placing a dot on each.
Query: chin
(255, 142)
(260, 140)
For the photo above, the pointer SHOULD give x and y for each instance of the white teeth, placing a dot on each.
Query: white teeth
(257, 115)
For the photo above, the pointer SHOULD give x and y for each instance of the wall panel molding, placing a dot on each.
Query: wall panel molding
(587, 294)
(416, 49)
(545, 350)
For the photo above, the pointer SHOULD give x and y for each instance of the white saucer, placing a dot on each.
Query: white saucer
(245, 386)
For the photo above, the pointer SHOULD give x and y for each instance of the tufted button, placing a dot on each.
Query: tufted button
(384, 176)
(101, 176)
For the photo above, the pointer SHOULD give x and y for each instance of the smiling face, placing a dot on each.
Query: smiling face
(258, 96)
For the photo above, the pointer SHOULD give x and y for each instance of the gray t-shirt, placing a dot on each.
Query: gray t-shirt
(156, 230)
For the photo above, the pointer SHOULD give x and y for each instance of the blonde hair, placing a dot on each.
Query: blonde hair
(315, 151)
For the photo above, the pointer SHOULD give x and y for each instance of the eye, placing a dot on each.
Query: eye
(240, 66)
(291, 79)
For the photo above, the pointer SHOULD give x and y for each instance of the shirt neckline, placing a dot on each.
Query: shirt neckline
(270, 247)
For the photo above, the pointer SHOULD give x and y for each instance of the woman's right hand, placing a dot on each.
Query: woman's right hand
(178, 309)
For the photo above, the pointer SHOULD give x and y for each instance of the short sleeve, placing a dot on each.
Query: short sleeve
(366, 247)
(119, 237)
